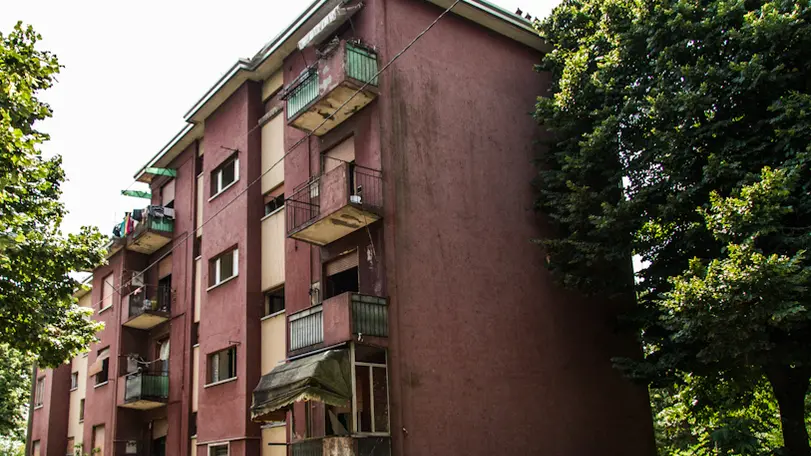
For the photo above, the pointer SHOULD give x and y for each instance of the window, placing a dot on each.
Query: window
(168, 194)
(71, 449)
(224, 176)
(107, 292)
(81, 410)
(222, 365)
(371, 390)
(40, 392)
(35, 449)
(223, 267)
(273, 203)
(193, 424)
(342, 275)
(274, 301)
(74, 381)
(342, 282)
(101, 368)
(218, 450)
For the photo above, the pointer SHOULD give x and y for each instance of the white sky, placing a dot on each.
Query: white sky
(132, 69)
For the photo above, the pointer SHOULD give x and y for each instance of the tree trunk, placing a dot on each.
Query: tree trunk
(790, 385)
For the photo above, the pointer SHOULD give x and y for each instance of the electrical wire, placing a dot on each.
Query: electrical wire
(289, 151)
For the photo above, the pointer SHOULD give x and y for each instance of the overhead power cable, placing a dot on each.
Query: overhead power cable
(292, 148)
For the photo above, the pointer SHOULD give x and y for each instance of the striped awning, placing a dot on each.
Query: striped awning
(324, 377)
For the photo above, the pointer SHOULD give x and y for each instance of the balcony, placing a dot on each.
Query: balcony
(330, 83)
(145, 390)
(340, 319)
(151, 235)
(342, 446)
(148, 307)
(335, 204)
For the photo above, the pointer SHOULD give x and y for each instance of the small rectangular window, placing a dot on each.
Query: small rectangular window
(168, 194)
(40, 392)
(223, 267)
(107, 292)
(102, 363)
(218, 450)
(193, 424)
(274, 301)
(225, 175)
(222, 365)
(81, 410)
(74, 381)
(273, 203)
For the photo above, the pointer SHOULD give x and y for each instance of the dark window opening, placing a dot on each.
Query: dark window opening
(81, 410)
(193, 424)
(165, 293)
(342, 282)
(195, 333)
(274, 204)
(159, 447)
(222, 365)
(274, 301)
(198, 164)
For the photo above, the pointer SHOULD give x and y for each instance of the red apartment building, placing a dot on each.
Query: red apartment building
(334, 261)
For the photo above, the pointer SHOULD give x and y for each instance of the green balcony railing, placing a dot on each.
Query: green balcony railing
(304, 93)
(370, 315)
(361, 64)
(162, 224)
(146, 386)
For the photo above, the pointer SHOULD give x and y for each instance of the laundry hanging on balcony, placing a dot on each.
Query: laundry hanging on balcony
(324, 377)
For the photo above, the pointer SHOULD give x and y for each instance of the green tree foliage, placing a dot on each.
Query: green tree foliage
(39, 318)
(681, 134)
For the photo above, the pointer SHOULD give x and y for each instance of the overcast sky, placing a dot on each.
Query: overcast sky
(131, 70)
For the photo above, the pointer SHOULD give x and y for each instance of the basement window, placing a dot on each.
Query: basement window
(224, 176)
(223, 267)
(222, 365)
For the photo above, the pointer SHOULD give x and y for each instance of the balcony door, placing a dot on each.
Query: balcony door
(342, 275)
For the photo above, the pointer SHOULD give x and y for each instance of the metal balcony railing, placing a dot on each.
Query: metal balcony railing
(312, 447)
(150, 300)
(361, 63)
(302, 92)
(307, 328)
(370, 315)
(147, 386)
(364, 187)
(302, 207)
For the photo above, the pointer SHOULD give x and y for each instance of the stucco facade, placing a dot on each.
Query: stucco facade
(393, 236)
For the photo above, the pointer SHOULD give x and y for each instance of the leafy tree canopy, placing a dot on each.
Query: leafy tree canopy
(681, 133)
(39, 318)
